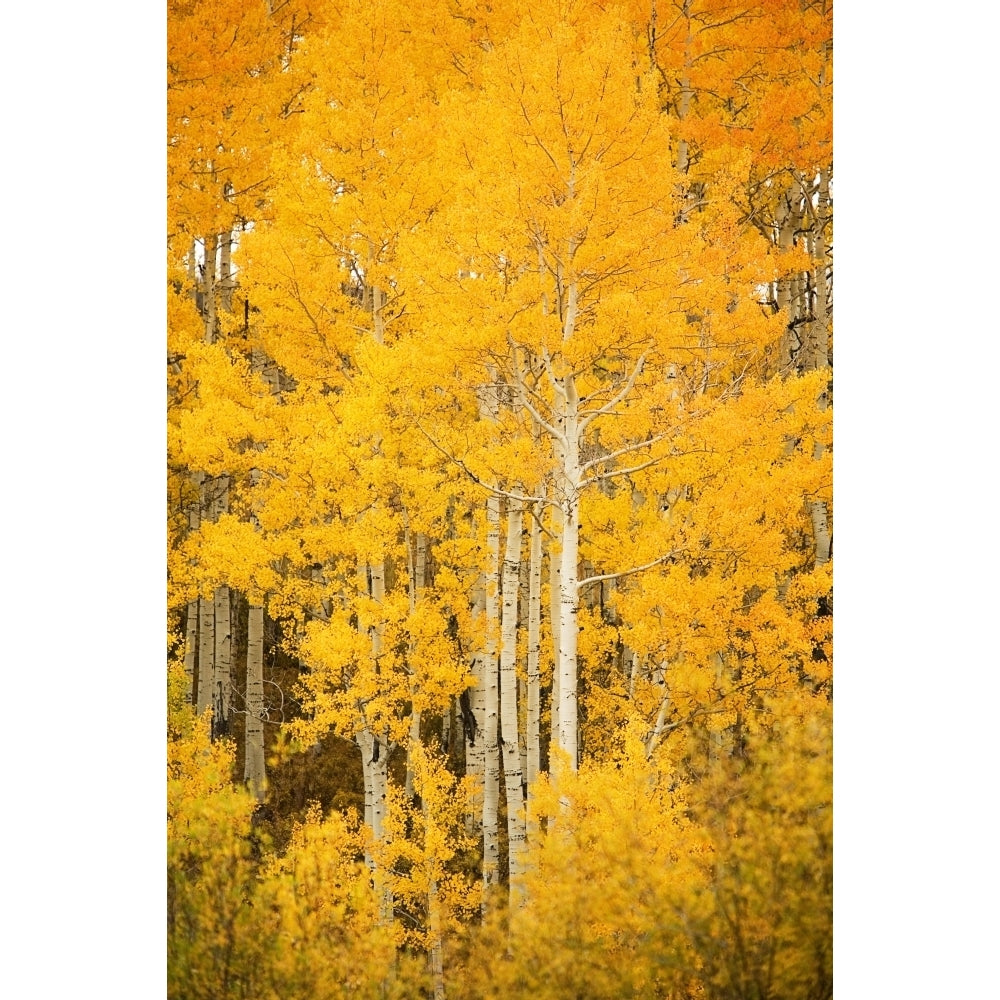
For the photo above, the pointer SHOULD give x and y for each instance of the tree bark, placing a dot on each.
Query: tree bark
(491, 748)
(417, 565)
(473, 704)
(532, 727)
(513, 775)
(206, 653)
(375, 770)
(569, 489)
(191, 631)
(375, 759)
(821, 354)
(555, 591)
(208, 289)
(222, 681)
(226, 271)
(254, 769)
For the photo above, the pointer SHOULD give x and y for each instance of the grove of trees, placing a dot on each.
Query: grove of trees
(500, 531)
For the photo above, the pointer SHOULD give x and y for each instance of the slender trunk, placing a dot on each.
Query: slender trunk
(192, 272)
(555, 591)
(473, 706)
(226, 271)
(222, 680)
(374, 299)
(821, 356)
(375, 757)
(434, 922)
(375, 769)
(532, 727)
(684, 104)
(190, 651)
(208, 288)
(191, 636)
(206, 618)
(821, 531)
(491, 749)
(206, 653)
(446, 728)
(513, 775)
(420, 560)
(416, 566)
(652, 741)
(782, 289)
(222, 683)
(632, 661)
(254, 771)
(568, 591)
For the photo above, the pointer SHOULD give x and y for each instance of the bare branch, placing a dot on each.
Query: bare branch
(626, 389)
(635, 446)
(524, 498)
(521, 386)
(628, 572)
(605, 476)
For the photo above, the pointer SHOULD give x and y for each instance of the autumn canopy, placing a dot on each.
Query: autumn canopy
(500, 540)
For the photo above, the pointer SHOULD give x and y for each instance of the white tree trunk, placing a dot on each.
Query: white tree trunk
(190, 651)
(491, 748)
(417, 565)
(226, 271)
(532, 727)
(254, 770)
(437, 952)
(375, 758)
(653, 740)
(206, 618)
(513, 775)
(569, 489)
(821, 355)
(222, 682)
(206, 653)
(208, 288)
(192, 272)
(555, 591)
(375, 770)
(473, 705)
(191, 632)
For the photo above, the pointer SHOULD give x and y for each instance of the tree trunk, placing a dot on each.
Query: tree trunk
(821, 354)
(254, 771)
(532, 727)
(568, 592)
(555, 591)
(191, 632)
(190, 651)
(473, 705)
(226, 271)
(417, 565)
(375, 769)
(491, 748)
(375, 758)
(222, 682)
(206, 653)
(513, 775)
(208, 288)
